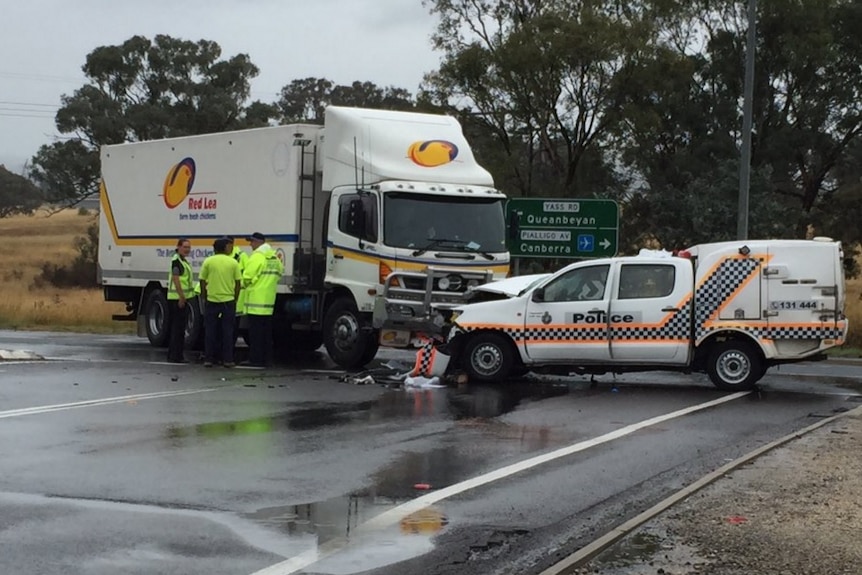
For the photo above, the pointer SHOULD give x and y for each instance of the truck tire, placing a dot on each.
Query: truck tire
(156, 305)
(347, 342)
(488, 357)
(195, 326)
(734, 365)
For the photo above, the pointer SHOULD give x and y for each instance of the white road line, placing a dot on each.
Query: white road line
(103, 401)
(396, 514)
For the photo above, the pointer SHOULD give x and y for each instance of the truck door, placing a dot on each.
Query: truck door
(351, 253)
(566, 320)
(650, 312)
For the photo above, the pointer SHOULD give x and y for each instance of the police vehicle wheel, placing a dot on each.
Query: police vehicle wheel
(488, 357)
(157, 318)
(347, 343)
(734, 365)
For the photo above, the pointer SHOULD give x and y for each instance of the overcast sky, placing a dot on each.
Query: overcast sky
(43, 44)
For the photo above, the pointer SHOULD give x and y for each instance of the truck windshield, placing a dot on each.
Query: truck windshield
(413, 220)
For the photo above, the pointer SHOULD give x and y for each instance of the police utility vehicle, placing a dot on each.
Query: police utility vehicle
(731, 309)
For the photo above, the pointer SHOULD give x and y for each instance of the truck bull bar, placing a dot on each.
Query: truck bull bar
(418, 301)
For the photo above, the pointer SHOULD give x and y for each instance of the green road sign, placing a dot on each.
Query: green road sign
(562, 227)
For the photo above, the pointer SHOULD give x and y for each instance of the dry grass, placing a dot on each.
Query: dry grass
(30, 241)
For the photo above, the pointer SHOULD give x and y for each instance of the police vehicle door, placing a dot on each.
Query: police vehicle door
(801, 284)
(650, 312)
(566, 319)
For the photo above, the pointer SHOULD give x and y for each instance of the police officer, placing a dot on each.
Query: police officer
(260, 280)
(179, 290)
(220, 280)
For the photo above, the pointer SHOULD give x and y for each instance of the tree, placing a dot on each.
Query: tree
(683, 118)
(544, 78)
(142, 90)
(18, 195)
(304, 100)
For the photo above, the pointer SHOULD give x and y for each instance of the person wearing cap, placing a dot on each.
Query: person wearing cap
(260, 280)
(179, 291)
(220, 282)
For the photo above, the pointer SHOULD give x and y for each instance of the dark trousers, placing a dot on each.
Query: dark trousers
(177, 319)
(259, 339)
(219, 322)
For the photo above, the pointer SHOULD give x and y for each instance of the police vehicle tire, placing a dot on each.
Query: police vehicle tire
(734, 365)
(488, 357)
(156, 305)
(347, 343)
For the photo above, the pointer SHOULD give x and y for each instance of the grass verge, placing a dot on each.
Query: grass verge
(28, 243)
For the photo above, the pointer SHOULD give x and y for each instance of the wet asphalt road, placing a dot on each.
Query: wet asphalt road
(237, 472)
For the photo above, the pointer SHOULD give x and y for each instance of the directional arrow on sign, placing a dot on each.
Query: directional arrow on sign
(605, 243)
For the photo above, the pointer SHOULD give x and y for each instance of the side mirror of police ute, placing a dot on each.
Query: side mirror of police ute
(538, 295)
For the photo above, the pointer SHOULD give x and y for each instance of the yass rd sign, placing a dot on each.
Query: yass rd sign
(562, 228)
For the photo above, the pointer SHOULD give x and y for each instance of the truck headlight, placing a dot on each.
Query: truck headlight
(444, 283)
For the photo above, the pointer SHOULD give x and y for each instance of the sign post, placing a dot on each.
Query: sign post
(562, 228)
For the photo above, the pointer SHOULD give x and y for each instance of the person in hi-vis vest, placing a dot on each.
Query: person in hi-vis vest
(180, 290)
(260, 279)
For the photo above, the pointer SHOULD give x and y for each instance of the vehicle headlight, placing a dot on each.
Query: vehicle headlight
(444, 283)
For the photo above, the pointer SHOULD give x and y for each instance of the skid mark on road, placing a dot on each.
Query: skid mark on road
(104, 401)
(396, 514)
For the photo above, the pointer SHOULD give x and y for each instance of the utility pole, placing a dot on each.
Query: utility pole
(747, 113)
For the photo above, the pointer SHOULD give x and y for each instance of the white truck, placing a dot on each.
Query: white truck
(383, 221)
(731, 309)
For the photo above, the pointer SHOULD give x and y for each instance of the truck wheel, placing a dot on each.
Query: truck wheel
(734, 365)
(157, 318)
(195, 326)
(488, 357)
(347, 343)
(371, 346)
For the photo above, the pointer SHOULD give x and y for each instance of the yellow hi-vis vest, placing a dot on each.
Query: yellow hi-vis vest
(242, 259)
(260, 279)
(185, 279)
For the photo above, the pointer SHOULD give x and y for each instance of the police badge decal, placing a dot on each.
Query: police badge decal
(546, 318)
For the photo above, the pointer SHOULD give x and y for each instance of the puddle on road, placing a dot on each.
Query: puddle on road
(332, 524)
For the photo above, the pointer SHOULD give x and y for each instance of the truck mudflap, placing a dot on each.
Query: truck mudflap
(421, 301)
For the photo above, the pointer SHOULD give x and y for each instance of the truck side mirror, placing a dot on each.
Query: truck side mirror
(538, 295)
